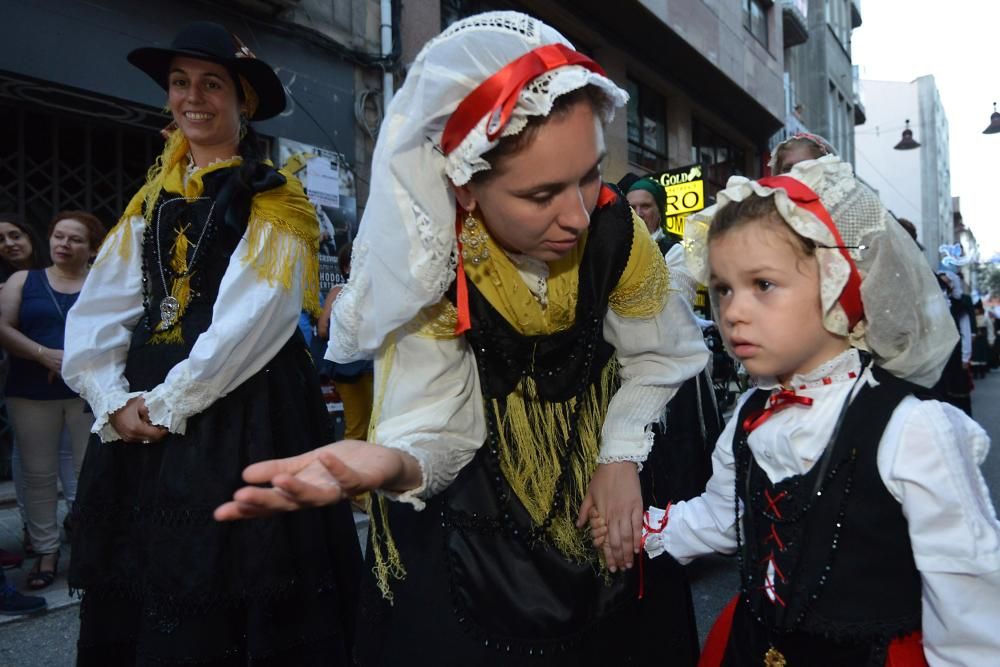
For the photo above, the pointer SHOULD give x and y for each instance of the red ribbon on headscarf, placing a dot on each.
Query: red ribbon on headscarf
(498, 94)
(785, 398)
(804, 197)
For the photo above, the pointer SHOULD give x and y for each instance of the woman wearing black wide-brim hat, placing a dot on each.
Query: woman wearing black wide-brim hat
(184, 342)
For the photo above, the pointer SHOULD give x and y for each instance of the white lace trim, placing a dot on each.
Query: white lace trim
(110, 404)
(428, 478)
(345, 318)
(637, 457)
(536, 99)
(171, 404)
(435, 268)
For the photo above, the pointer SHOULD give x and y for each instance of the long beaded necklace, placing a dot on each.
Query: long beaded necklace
(169, 306)
(773, 657)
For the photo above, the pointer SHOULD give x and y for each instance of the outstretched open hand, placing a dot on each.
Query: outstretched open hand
(321, 477)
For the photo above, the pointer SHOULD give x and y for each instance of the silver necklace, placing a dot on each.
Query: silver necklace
(169, 306)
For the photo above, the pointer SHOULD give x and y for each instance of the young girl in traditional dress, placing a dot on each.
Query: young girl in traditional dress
(857, 511)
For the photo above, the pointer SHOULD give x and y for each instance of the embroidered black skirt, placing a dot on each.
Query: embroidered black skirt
(163, 583)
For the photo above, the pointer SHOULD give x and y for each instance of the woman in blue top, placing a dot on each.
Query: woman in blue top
(33, 308)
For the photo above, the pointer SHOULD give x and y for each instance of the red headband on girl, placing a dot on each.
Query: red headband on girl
(804, 197)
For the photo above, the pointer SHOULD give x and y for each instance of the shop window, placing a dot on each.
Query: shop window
(647, 127)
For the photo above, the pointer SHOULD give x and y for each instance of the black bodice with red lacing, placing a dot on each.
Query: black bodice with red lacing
(834, 539)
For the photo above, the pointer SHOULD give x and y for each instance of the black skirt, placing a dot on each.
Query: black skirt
(165, 584)
(476, 593)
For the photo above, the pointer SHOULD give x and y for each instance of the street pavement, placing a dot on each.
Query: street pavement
(49, 640)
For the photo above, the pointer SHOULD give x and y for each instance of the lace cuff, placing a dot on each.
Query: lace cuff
(654, 543)
(414, 496)
(103, 403)
(171, 403)
(616, 451)
(110, 404)
(438, 468)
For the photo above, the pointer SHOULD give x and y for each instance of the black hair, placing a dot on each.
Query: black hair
(39, 255)
(590, 93)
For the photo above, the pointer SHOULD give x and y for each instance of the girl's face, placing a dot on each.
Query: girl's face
(15, 246)
(768, 297)
(795, 152)
(538, 201)
(205, 105)
(70, 244)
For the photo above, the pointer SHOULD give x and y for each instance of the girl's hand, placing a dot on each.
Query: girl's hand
(321, 477)
(614, 492)
(131, 421)
(598, 528)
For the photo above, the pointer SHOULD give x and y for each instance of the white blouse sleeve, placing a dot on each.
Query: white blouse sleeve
(929, 460)
(99, 326)
(656, 355)
(430, 406)
(706, 524)
(252, 320)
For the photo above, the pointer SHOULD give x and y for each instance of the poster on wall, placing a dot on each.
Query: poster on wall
(331, 188)
(685, 187)
(685, 194)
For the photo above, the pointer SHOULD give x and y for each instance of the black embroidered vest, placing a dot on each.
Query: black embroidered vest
(209, 251)
(835, 537)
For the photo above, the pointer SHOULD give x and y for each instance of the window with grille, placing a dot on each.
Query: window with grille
(51, 162)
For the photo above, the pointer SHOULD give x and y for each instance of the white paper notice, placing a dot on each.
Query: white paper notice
(323, 182)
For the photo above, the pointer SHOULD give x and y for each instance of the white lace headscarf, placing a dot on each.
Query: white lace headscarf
(907, 325)
(404, 256)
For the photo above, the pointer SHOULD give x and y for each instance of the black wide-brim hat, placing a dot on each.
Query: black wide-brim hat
(209, 41)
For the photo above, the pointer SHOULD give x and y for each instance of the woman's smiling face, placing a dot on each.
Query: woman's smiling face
(204, 102)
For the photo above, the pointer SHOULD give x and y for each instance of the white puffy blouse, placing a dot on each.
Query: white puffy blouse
(928, 459)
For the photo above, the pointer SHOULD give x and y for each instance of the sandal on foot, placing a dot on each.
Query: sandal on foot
(39, 578)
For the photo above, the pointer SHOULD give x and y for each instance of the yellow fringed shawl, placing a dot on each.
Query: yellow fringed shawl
(533, 434)
(284, 216)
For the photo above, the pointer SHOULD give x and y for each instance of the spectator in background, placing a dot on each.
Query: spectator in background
(649, 201)
(955, 385)
(798, 148)
(354, 380)
(33, 309)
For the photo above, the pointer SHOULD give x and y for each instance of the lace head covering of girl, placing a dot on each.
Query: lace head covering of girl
(875, 285)
(478, 82)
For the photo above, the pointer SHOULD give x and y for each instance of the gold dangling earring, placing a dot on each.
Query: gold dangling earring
(473, 238)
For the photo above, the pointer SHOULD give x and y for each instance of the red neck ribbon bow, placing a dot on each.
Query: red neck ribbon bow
(497, 96)
(805, 197)
(785, 398)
